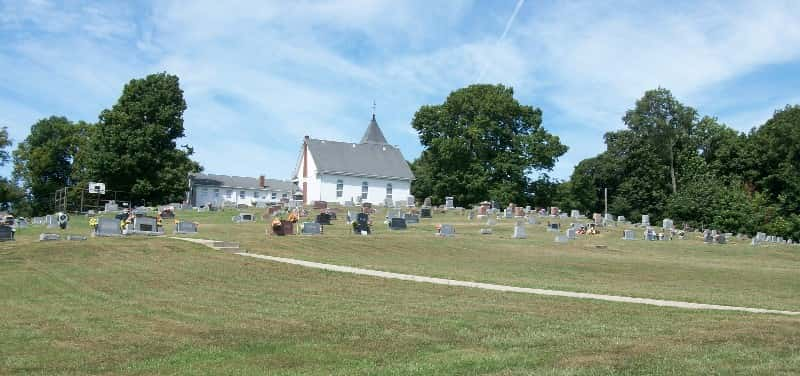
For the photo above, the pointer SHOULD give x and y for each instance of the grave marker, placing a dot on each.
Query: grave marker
(6, 233)
(572, 234)
(323, 219)
(185, 227)
(628, 235)
(645, 220)
(397, 224)
(448, 202)
(361, 225)
(49, 237)
(446, 230)
(411, 218)
(519, 230)
(107, 227)
(425, 213)
(561, 239)
(311, 228)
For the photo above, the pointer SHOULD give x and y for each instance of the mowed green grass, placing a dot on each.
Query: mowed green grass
(162, 306)
(685, 270)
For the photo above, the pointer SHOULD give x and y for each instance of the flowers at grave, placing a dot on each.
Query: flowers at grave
(93, 223)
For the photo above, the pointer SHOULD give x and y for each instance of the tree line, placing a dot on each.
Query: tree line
(667, 162)
(132, 148)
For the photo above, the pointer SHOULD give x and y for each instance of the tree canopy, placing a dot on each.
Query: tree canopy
(134, 146)
(480, 144)
(670, 163)
(43, 162)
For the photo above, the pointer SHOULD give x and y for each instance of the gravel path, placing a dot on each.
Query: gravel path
(489, 286)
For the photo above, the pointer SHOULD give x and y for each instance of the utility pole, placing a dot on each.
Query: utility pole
(605, 196)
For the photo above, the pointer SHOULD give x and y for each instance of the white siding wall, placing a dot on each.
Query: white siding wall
(217, 195)
(352, 189)
(312, 180)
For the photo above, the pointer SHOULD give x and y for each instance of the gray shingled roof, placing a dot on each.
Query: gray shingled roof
(365, 159)
(240, 182)
(373, 134)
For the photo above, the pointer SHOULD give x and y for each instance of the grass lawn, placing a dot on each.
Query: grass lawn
(160, 306)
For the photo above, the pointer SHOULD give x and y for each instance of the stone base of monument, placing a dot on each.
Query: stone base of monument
(75, 237)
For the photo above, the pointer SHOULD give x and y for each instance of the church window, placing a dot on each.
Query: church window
(339, 188)
(389, 190)
(364, 190)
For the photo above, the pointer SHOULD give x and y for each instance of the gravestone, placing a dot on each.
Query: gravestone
(554, 227)
(563, 215)
(519, 231)
(75, 237)
(667, 224)
(650, 234)
(49, 237)
(531, 220)
(185, 227)
(486, 231)
(323, 219)
(318, 205)
(470, 215)
(707, 237)
(411, 218)
(572, 234)
(108, 227)
(411, 202)
(519, 212)
(427, 202)
(145, 226)
(645, 220)
(561, 239)
(446, 230)
(722, 239)
(621, 219)
(597, 218)
(6, 233)
(574, 213)
(448, 202)
(491, 222)
(628, 235)
(110, 206)
(311, 228)
(394, 213)
(508, 213)
(38, 221)
(50, 221)
(361, 225)
(425, 213)
(397, 224)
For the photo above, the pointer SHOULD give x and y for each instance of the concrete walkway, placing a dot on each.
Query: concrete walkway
(504, 288)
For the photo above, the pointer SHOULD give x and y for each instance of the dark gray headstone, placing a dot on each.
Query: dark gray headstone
(6, 233)
(361, 224)
(323, 219)
(397, 224)
(425, 213)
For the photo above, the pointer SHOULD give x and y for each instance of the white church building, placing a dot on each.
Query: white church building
(368, 171)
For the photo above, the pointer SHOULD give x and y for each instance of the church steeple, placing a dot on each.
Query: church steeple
(373, 135)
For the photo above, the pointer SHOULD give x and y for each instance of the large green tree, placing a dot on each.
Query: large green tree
(43, 162)
(776, 156)
(665, 124)
(9, 193)
(481, 144)
(134, 146)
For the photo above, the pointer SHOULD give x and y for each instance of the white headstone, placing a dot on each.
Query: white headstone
(519, 231)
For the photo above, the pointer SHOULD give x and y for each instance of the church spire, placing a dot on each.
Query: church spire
(373, 135)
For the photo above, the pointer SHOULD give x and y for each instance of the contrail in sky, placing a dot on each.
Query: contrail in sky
(505, 32)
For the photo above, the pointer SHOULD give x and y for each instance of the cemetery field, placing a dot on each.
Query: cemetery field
(156, 305)
(686, 270)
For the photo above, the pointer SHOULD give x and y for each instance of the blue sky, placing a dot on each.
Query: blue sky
(258, 76)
